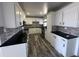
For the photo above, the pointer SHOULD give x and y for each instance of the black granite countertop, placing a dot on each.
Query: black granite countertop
(65, 35)
(18, 38)
(8, 34)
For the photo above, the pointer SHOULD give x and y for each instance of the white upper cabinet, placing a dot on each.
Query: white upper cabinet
(11, 13)
(58, 18)
(68, 16)
(20, 16)
(1, 16)
(17, 19)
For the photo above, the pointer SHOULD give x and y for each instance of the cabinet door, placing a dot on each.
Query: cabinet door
(18, 50)
(22, 16)
(60, 45)
(49, 36)
(9, 15)
(58, 18)
(53, 38)
(1, 55)
(46, 34)
(17, 15)
(64, 46)
(1, 16)
(70, 17)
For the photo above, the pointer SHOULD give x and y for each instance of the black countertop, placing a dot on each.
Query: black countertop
(18, 38)
(10, 32)
(65, 35)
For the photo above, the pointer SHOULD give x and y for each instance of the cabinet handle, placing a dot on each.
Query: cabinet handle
(63, 39)
(63, 45)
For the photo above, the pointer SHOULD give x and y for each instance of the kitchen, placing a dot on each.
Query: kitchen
(56, 27)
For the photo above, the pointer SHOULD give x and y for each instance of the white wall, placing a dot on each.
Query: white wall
(30, 20)
(1, 15)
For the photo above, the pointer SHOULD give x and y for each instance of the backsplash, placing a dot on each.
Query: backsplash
(54, 28)
(13, 29)
(8, 29)
(68, 30)
(1, 30)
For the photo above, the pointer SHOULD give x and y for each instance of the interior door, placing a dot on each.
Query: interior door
(17, 15)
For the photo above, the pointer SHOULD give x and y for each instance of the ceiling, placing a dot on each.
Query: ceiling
(39, 9)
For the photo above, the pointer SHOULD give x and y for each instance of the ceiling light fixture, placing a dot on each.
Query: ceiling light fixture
(45, 8)
(20, 13)
(28, 13)
(17, 12)
(24, 16)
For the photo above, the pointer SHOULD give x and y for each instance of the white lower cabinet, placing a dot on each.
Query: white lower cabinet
(66, 47)
(19, 50)
(59, 44)
(53, 37)
(62, 46)
(1, 55)
(48, 37)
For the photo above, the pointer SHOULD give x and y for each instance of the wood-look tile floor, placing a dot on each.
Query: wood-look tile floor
(39, 47)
